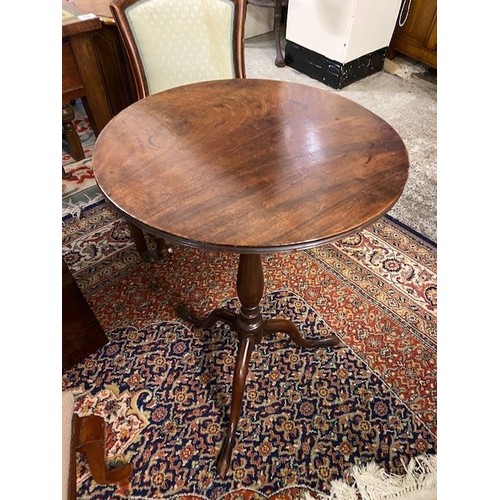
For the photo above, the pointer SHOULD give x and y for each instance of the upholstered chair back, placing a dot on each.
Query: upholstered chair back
(175, 42)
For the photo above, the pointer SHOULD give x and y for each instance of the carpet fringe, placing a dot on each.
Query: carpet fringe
(372, 482)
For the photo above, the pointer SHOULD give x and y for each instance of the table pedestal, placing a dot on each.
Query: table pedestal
(251, 329)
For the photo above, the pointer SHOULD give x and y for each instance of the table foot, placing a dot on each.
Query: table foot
(219, 314)
(225, 455)
(286, 326)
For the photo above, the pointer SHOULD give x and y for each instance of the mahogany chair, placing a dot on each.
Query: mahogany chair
(170, 43)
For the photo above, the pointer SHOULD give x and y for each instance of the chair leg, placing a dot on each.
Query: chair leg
(70, 134)
(280, 60)
(162, 248)
(140, 242)
(91, 440)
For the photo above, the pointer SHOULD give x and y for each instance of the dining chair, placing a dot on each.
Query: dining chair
(170, 43)
(279, 7)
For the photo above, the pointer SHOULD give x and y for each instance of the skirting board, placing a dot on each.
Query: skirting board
(333, 73)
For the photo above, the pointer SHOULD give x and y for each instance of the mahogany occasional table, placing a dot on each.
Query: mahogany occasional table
(252, 167)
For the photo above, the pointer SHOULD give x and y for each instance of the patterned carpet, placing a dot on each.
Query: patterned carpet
(163, 386)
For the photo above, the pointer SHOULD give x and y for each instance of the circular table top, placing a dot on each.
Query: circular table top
(250, 166)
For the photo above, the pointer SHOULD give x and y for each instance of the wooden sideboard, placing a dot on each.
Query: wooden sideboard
(417, 38)
(95, 66)
(82, 333)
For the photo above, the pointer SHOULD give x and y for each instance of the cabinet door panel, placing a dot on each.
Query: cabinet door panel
(417, 38)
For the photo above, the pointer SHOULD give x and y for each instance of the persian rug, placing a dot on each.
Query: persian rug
(309, 416)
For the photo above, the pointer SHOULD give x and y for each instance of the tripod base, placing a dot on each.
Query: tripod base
(251, 328)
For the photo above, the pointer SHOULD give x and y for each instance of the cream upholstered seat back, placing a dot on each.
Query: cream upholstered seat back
(176, 42)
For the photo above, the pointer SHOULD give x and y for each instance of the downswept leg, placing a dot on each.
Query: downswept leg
(245, 350)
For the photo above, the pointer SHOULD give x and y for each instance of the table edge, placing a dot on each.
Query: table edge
(243, 249)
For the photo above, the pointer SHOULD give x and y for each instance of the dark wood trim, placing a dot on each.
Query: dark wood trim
(333, 73)
(114, 68)
(240, 14)
(118, 8)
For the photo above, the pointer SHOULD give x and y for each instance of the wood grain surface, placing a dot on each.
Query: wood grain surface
(250, 166)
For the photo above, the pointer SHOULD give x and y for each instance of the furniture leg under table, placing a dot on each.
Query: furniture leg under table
(251, 167)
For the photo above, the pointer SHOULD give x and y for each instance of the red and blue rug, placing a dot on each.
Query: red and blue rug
(164, 387)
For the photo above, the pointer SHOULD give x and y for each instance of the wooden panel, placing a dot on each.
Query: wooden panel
(114, 68)
(72, 86)
(95, 91)
(97, 59)
(417, 38)
(81, 332)
(431, 39)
